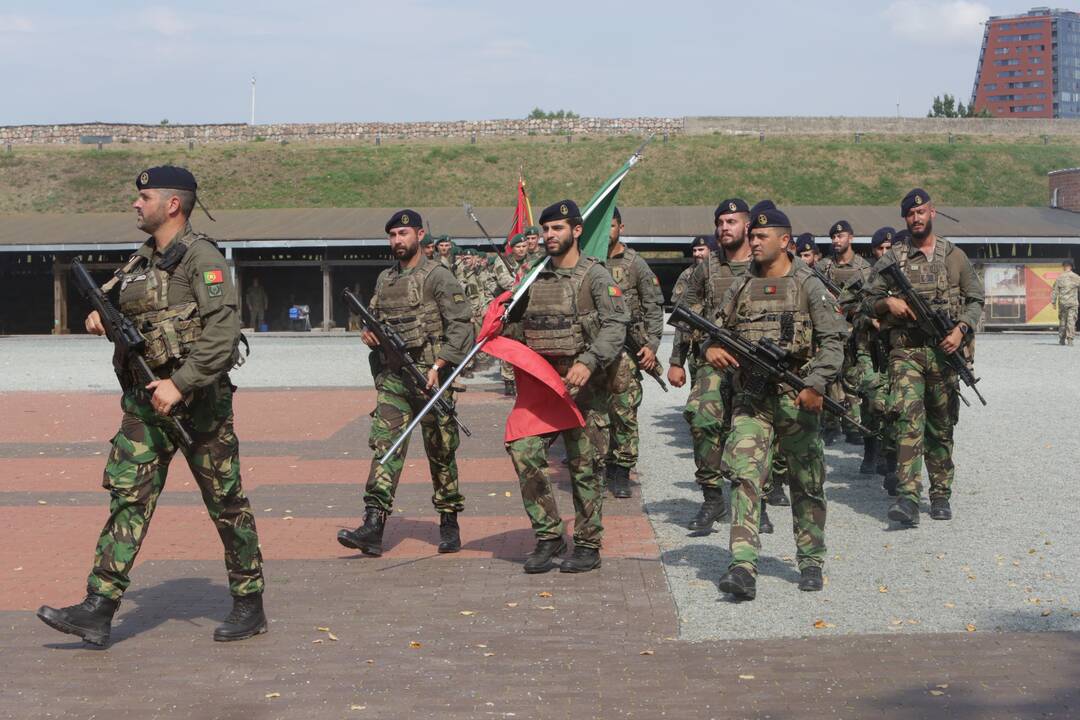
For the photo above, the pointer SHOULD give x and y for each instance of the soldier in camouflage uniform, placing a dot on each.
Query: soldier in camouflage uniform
(535, 251)
(178, 291)
(420, 300)
(925, 390)
(708, 408)
(517, 261)
(781, 299)
(806, 249)
(684, 345)
(1064, 297)
(445, 250)
(575, 317)
(644, 299)
(427, 246)
(842, 268)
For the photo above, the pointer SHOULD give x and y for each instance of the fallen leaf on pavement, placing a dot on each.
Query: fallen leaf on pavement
(511, 605)
(271, 696)
(467, 613)
(358, 707)
(646, 652)
(950, 605)
(883, 588)
(543, 593)
(489, 654)
(936, 693)
(821, 625)
(746, 677)
(332, 636)
(547, 607)
(943, 686)
(316, 642)
(414, 644)
(323, 629)
(1046, 613)
(970, 627)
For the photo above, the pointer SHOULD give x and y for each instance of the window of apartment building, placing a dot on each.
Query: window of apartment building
(1010, 73)
(1006, 63)
(1025, 84)
(1026, 108)
(990, 86)
(1001, 51)
(1002, 98)
(1035, 60)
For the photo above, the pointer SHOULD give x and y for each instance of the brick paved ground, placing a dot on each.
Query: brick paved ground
(604, 644)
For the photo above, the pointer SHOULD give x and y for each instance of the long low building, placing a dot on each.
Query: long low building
(306, 256)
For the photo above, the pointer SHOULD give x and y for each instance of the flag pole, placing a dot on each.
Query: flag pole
(522, 288)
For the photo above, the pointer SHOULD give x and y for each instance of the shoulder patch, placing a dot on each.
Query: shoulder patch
(213, 277)
(614, 291)
(656, 281)
(459, 298)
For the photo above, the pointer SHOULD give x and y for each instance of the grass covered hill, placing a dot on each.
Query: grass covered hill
(687, 170)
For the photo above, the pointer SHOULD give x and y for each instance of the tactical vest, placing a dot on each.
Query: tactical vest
(561, 318)
(775, 308)
(720, 278)
(842, 274)
(931, 279)
(625, 272)
(406, 305)
(169, 331)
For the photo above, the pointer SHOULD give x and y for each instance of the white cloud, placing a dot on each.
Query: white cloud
(925, 22)
(15, 24)
(164, 21)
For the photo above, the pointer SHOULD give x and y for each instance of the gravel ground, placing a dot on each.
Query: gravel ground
(1003, 563)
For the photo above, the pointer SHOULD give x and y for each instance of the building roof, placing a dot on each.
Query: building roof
(364, 226)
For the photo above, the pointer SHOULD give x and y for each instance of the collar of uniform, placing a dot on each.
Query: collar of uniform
(619, 254)
(181, 234)
(938, 249)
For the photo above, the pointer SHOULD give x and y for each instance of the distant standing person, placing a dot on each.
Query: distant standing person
(1064, 298)
(177, 285)
(256, 301)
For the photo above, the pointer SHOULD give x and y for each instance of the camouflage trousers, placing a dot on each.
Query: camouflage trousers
(135, 476)
(529, 456)
(708, 412)
(395, 406)
(1066, 321)
(925, 395)
(757, 422)
(623, 404)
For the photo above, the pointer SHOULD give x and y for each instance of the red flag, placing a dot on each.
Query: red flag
(522, 214)
(543, 403)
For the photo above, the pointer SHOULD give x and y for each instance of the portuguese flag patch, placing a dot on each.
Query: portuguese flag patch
(614, 291)
(213, 277)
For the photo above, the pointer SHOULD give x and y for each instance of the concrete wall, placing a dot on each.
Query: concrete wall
(120, 132)
(882, 126)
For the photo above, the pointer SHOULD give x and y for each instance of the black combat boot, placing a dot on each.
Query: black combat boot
(368, 537)
(582, 560)
(543, 557)
(853, 437)
(905, 512)
(830, 435)
(247, 619)
(776, 494)
(739, 582)
(870, 455)
(892, 479)
(939, 509)
(509, 388)
(619, 477)
(711, 511)
(765, 526)
(449, 533)
(882, 466)
(811, 580)
(91, 619)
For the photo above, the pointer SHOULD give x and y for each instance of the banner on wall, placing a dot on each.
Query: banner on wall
(1018, 293)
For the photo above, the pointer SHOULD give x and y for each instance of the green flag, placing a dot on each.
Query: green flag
(598, 213)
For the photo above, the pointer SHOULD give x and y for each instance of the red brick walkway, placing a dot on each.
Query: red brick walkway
(492, 642)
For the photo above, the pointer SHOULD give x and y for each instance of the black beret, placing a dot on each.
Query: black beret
(901, 236)
(805, 242)
(915, 198)
(729, 206)
(617, 215)
(565, 210)
(166, 176)
(762, 205)
(882, 235)
(769, 217)
(405, 218)
(839, 227)
(700, 241)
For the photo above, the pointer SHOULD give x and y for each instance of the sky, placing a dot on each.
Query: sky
(412, 60)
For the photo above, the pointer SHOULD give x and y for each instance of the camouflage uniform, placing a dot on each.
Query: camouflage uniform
(923, 389)
(512, 330)
(187, 312)
(683, 346)
(847, 387)
(708, 409)
(644, 300)
(759, 307)
(1064, 297)
(573, 315)
(427, 308)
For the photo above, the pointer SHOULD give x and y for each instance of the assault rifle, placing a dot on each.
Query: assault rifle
(935, 323)
(633, 346)
(765, 361)
(128, 343)
(836, 290)
(397, 357)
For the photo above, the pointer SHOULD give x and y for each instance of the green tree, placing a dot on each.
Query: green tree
(946, 106)
(540, 114)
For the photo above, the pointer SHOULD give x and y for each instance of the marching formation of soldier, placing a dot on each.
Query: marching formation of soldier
(840, 327)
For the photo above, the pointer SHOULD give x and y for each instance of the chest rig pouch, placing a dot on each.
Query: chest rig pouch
(405, 304)
(774, 309)
(930, 279)
(561, 319)
(169, 331)
(721, 277)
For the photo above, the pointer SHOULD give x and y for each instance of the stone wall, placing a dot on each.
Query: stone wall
(879, 126)
(119, 132)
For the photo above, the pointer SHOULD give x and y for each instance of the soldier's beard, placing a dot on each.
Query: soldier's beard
(564, 246)
(927, 230)
(150, 222)
(404, 252)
